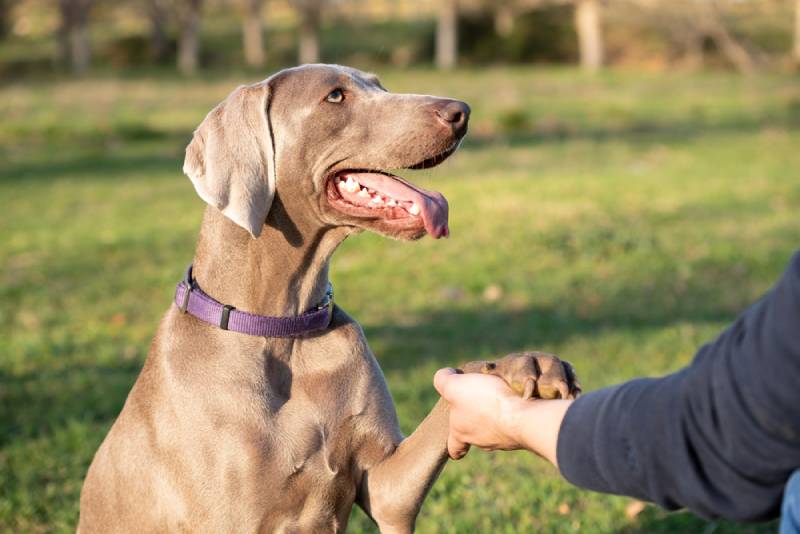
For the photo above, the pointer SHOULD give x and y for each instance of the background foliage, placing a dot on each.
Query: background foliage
(122, 35)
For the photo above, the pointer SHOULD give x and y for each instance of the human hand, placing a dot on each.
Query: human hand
(486, 413)
(480, 409)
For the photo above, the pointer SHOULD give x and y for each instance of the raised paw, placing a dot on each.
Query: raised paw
(532, 374)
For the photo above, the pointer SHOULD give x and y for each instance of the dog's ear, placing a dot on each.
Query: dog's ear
(231, 157)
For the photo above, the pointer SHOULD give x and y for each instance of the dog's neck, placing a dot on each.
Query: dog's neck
(283, 272)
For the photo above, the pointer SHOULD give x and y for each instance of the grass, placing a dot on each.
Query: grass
(620, 221)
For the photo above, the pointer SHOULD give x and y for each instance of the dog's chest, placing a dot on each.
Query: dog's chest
(314, 461)
(288, 441)
(326, 423)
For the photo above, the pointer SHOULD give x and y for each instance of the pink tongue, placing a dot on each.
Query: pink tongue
(433, 205)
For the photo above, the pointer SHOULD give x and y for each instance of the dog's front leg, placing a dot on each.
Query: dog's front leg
(392, 491)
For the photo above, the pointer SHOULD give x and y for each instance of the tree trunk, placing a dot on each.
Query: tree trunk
(590, 35)
(731, 49)
(693, 46)
(504, 20)
(159, 44)
(81, 47)
(447, 35)
(5, 18)
(63, 51)
(309, 31)
(796, 50)
(189, 42)
(73, 36)
(252, 34)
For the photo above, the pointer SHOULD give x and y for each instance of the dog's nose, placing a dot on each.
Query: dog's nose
(455, 114)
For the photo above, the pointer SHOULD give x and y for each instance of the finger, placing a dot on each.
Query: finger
(441, 377)
(456, 449)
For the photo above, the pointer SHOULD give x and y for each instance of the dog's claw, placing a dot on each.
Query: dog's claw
(572, 379)
(532, 375)
(530, 386)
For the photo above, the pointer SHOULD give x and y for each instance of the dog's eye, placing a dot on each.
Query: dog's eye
(335, 96)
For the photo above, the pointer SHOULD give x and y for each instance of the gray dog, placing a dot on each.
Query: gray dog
(274, 416)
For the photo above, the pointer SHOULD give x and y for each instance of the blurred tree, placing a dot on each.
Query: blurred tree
(699, 23)
(590, 36)
(310, 12)
(189, 41)
(504, 13)
(252, 36)
(158, 14)
(5, 18)
(74, 46)
(447, 34)
(733, 50)
(588, 24)
(796, 49)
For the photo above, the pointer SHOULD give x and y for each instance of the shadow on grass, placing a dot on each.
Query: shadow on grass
(90, 166)
(37, 403)
(654, 520)
(451, 336)
(98, 159)
(637, 131)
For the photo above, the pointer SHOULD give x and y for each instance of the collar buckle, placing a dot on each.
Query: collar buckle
(187, 280)
(327, 302)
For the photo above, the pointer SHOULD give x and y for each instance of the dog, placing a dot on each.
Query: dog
(270, 413)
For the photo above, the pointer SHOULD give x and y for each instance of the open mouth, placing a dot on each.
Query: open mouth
(380, 196)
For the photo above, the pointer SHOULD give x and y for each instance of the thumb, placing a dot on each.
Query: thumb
(456, 448)
(441, 378)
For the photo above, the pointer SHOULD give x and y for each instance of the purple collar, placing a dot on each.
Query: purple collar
(191, 299)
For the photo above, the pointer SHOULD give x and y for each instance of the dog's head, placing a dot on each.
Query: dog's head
(323, 139)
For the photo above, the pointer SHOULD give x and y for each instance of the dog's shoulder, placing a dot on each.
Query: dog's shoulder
(344, 329)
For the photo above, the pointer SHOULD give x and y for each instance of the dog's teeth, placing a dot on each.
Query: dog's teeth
(414, 209)
(391, 203)
(364, 193)
(377, 199)
(351, 185)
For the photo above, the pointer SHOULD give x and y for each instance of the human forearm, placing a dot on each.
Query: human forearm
(484, 412)
(719, 437)
(535, 425)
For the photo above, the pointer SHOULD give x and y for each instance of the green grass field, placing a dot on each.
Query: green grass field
(619, 221)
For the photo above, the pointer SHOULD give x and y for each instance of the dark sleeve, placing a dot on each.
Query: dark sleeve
(720, 437)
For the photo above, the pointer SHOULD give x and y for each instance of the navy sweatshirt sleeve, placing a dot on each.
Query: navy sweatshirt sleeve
(719, 437)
